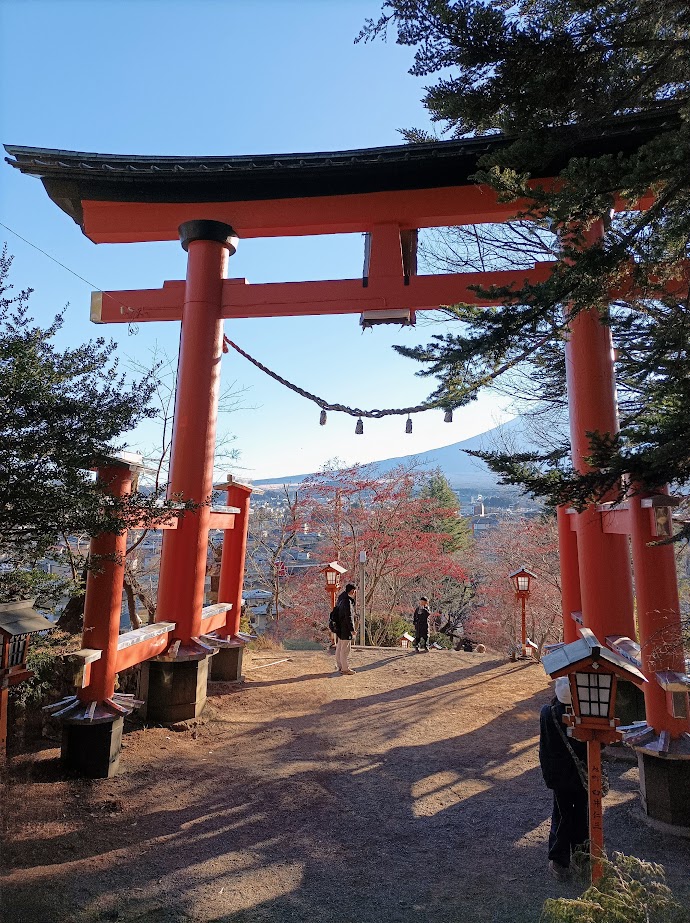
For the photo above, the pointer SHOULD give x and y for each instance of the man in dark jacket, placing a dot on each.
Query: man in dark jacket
(345, 628)
(421, 624)
(569, 820)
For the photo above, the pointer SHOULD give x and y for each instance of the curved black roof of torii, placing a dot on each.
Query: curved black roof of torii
(71, 177)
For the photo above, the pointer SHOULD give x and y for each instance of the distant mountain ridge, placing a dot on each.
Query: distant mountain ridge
(461, 470)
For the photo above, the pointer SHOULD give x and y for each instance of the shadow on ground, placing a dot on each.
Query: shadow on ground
(417, 800)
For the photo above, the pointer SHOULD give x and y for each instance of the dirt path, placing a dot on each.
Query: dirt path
(409, 792)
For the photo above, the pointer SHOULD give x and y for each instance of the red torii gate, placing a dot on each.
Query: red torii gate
(388, 193)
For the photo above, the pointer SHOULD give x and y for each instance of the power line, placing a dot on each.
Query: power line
(319, 401)
(91, 285)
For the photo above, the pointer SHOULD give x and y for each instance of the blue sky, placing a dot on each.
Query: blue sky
(220, 77)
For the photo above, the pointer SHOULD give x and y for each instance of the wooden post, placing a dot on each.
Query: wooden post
(658, 614)
(103, 601)
(183, 556)
(4, 703)
(233, 558)
(571, 601)
(596, 817)
(603, 559)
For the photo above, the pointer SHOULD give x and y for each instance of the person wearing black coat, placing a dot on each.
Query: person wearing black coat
(345, 624)
(569, 819)
(420, 619)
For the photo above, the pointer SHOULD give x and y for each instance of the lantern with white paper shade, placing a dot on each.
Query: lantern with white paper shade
(522, 581)
(333, 572)
(595, 694)
(592, 672)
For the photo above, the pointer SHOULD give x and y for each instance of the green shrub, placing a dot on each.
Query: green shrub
(385, 631)
(27, 583)
(630, 891)
(51, 674)
(436, 637)
(302, 644)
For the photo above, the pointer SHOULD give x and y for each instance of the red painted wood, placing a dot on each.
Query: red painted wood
(222, 520)
(103, 601)
(616, 522)
(570, 576)
(385, 252)
(130, 222)
(596, 814)
(214, 621)
(183, 558)
(444, 206)
(658, 616)
(341, 296)
(603, 559)
(233, 557)
(4, 706)
(138, 653)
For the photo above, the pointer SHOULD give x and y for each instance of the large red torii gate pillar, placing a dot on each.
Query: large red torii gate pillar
(603, 559)
(595, 550)
(176, 682)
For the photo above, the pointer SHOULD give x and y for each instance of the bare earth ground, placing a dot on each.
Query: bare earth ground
(409, 792)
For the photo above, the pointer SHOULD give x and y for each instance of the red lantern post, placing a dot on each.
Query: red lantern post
(592, 672)
(333, 572)
(522, 580)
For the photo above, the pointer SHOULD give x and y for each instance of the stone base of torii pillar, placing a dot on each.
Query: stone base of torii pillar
(226, 666)
(173, 685)
(664, 765)
(664, 787)
(92, 749)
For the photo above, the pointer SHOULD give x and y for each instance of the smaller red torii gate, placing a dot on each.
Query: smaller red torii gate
(93, 718)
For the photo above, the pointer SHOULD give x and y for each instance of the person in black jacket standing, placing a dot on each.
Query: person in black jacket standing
(346, 628)
(420, 619)
(569, 820)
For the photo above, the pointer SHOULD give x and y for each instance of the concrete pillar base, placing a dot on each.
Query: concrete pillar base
(92, 749)
(173, 690)
(227, 664)
(664, 787)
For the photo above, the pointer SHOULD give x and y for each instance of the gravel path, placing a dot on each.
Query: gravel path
(408, 792)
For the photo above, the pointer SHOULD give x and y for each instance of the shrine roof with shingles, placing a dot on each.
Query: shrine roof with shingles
(122, 177)
(119, 198)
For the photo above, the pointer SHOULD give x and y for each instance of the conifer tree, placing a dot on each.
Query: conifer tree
(60, 410)
(445, 516)
(548, 74)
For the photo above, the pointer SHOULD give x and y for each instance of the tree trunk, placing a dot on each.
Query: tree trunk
(134, 619)
(72, 618)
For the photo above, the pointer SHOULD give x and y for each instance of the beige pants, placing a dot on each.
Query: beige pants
(342, 651)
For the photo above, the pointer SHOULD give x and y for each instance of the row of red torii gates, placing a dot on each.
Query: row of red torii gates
(387, 193)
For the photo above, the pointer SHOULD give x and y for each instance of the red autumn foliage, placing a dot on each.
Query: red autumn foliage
(356, 509)
(496, 619)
